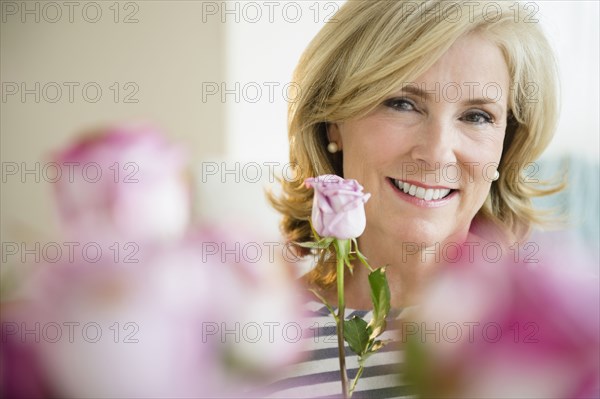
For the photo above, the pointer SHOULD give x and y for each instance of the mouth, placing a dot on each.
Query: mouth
(422, 193)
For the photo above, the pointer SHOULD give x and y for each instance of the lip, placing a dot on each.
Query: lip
(421, 202)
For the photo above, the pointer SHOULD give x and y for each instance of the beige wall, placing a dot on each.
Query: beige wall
(175, 47)
(165, 55)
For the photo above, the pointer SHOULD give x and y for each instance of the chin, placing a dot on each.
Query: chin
(426, 233)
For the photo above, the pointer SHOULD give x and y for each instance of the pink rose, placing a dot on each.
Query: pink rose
(121, 182)
(338, 207)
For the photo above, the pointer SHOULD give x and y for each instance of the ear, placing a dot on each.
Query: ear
(334, 134)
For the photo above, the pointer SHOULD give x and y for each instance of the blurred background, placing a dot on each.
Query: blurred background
(215, 76)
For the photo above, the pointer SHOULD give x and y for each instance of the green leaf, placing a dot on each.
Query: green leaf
(315, 234)
(350, 266)
(360, 256)
(310, 244)
(380, 296)
(357, 335)
(321, 244)
(363, 260)
(376, 345)
(373, 347)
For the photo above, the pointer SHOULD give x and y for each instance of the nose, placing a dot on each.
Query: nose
(435, 145)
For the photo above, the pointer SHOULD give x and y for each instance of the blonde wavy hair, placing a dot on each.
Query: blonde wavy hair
(370, 49)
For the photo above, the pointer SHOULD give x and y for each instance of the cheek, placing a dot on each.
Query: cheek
(373, 141)
(481, 188)
(480, 166)
(479, 173)
(360, 145)
(481, 156)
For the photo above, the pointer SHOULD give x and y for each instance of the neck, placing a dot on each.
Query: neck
(409, 266)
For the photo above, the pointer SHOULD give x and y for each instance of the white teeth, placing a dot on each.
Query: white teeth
(420, 192)
(429, 194)
(444, 192)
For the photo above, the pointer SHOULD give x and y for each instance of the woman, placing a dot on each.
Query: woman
(436, 108)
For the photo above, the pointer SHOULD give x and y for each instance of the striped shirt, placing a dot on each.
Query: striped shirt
(317, 375)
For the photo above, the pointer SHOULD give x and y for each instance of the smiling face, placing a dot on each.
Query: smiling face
(439, 139)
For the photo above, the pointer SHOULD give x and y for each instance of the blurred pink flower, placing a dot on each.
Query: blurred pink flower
(21, 375)
(165, 310)
(490, 328)
(123, 181)
(162, 328)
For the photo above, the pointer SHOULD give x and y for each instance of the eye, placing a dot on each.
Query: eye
(478, 117)
(400, 104)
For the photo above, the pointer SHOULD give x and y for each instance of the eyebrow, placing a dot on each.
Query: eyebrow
(426, 94)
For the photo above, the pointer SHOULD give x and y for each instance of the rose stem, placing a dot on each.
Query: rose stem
(341, 318)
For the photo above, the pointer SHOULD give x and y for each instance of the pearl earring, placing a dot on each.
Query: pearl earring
(496, 175)
(332, 147)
